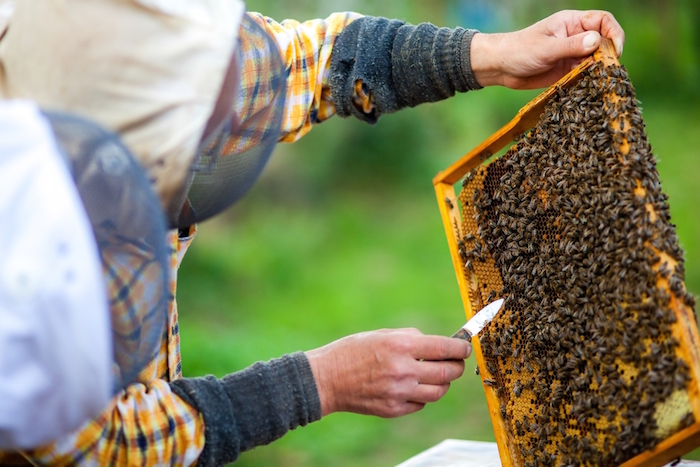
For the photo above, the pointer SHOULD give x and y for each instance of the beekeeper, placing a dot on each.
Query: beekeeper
(60, 363)
(201, 93)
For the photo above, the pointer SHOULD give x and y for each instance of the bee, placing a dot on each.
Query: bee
(689, 300)
(476, 195)
(491, 367)
(485, 156)
(517, 389)
(688, 420)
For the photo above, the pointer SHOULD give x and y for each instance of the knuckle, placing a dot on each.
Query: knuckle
(394, 409)
(393, 393)
(397, 344)
(444, 374)
(400, 390)
(394, 371)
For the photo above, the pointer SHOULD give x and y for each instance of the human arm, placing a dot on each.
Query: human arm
(388, 373)
(366, 66)
(380, 66)
(252, 407)
(327, 58)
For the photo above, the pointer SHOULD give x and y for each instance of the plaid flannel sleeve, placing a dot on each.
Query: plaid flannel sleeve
(306, 52)
(144, 425)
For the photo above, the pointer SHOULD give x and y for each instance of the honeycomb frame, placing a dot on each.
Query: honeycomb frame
(685, 330)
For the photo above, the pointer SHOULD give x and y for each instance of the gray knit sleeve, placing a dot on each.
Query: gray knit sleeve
(399, 65)
(252, 407)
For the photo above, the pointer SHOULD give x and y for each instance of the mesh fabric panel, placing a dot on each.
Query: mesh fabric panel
(234, 158)
(129, 227)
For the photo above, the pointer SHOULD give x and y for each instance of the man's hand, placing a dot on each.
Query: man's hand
(388, 373)
(539, 55)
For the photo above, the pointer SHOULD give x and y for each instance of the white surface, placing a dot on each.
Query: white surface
(198, 11)
(459, 453)
(6, 9)
(55, 338)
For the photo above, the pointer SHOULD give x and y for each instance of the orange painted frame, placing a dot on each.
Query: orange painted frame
(671, 448)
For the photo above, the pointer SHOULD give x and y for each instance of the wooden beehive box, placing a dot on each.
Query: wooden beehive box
(594, 358)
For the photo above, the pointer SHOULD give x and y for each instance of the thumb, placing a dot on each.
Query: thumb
(576, 46)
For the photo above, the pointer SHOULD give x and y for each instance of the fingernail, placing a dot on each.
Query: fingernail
(619, 46)
(590, 40)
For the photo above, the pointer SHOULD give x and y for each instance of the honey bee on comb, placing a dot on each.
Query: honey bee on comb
(571, 227)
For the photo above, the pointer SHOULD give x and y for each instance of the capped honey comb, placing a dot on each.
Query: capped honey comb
(593, 359)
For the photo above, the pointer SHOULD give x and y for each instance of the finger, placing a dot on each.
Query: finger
(425, 393)
(440, 348)
(576, 46)
(573, 63)
(412, 407)
(431, 372)
(397, 410)
(402, 330)
(546, 78)
(605, 23)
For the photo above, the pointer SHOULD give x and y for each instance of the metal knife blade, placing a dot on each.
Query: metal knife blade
(479, 320)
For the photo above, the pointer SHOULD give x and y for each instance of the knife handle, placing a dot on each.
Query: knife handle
(463, 334)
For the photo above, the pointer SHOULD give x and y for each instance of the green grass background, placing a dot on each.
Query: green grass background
(342, 234)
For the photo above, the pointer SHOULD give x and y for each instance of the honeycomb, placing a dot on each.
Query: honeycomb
(571, 227)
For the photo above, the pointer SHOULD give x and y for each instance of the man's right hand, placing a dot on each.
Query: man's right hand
(389, 373)
(539, 55)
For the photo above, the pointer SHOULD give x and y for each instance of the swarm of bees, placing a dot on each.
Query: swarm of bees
(570, 226)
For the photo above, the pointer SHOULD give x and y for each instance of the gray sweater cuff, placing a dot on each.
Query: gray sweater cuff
(251, 407)
(466, 60)
(399, 64)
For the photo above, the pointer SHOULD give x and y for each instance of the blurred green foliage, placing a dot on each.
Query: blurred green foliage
(342, 234)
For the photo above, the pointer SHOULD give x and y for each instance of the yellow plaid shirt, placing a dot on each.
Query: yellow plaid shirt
(147, 424)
